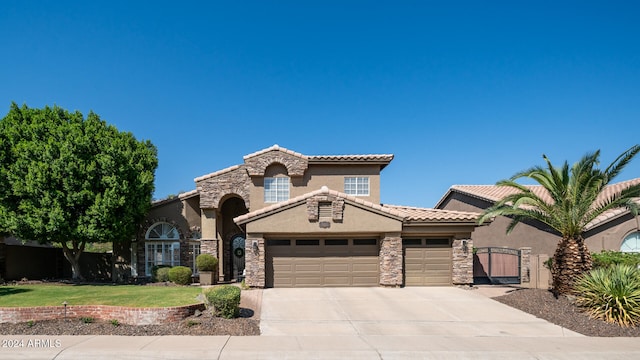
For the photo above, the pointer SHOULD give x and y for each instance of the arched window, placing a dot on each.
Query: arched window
(631, 243)
(162, 246)
(276, 184)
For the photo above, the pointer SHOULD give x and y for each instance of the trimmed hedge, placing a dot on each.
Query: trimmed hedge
(160, 273)
(206, 262)
(608, 258)
(225, 300)
(180, 275)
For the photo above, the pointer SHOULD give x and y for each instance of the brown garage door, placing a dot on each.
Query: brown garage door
(322, 262)
(427, 262)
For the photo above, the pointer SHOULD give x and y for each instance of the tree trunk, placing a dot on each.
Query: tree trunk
(571, 259)
(73, 256)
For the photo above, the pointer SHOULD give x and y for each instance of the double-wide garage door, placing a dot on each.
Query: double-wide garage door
(322, 262)
(427, 262)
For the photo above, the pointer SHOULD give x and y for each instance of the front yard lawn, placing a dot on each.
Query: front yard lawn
(116, 295)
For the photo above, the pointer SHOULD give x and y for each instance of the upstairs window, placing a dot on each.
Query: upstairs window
(276, 189)
(357, 186)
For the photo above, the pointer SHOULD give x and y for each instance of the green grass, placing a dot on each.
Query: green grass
(117, 295)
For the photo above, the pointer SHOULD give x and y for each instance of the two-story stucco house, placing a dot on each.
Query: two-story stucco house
(284, 219)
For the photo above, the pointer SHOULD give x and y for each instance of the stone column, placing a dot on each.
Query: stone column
(254, 257)
(391, 260)
(209, 243)
(462, 262)
(525, 265)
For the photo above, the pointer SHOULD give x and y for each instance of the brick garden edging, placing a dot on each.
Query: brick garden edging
(124, 315)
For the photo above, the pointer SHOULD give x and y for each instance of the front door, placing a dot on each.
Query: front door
(237, 255)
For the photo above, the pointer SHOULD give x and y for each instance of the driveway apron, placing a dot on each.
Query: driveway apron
(437, 311)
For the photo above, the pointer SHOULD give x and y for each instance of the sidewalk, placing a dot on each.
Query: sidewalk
(317, 347)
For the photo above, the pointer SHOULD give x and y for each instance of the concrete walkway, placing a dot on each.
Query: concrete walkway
(371, 323)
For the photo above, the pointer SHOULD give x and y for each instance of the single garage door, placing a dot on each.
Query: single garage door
(322, 262)
(427, 262)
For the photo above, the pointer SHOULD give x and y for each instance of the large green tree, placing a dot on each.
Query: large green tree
(69, 180)
(573, 197)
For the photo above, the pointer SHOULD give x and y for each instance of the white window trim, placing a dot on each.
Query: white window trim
(280, 193)
(356, 182)
(634, 236)
(165, 236)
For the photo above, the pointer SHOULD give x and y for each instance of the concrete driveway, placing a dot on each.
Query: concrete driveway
(435, 311)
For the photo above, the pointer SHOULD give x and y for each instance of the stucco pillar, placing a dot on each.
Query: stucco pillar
(525, 265)
(391, 260)
(462, 262)
(209, 243)
(254, 257)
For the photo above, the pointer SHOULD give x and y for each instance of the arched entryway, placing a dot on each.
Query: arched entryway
(233, 237)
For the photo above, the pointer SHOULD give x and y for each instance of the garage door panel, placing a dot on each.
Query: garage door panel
(323, 265)
(428, 266)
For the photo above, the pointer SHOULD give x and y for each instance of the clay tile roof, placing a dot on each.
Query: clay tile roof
(219, 172)
(188, 194)
(368, 157)
(493, 193)
(427, 214)
(274, 148)
(324, 190)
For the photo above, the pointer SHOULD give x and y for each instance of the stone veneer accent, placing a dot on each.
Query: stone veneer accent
(254, 263)
(462, 273)
(391, 260)
(256, 165)
(213, 189)
(209, 246)
(124, 315)
(337, 207)
(525, 264)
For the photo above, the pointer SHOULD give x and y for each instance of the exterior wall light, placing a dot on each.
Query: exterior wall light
(255, 247)
(465, 246)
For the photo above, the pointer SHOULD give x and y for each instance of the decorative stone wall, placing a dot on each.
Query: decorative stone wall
(208, 246)
(462, 262)
(391, 260)
(525, 264)
(254, 262)
(214, 188)
(296, 164)
(124, 315)
(337, 207)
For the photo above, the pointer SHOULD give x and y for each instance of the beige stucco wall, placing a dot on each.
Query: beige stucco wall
(315, 177)
(295, 221)
(494, 234)
(606, 237)
(611, 235)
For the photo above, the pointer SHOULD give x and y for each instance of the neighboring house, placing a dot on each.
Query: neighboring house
(616, 229)
(284, 219)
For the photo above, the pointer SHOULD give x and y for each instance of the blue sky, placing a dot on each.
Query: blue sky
(460, 92)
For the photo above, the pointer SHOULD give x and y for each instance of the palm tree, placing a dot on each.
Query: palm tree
(568, 200)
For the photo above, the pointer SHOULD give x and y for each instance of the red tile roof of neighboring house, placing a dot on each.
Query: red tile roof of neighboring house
(494, 193)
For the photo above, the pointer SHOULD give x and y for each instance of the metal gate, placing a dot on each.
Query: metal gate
(495, 265)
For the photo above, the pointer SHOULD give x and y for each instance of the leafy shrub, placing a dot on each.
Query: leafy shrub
(611, 294)
(86, 319)
(115, 322)
(180, 275)
(608, 258)
(164, 274)
(206, 262)
(225, 300)
(30, 323)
